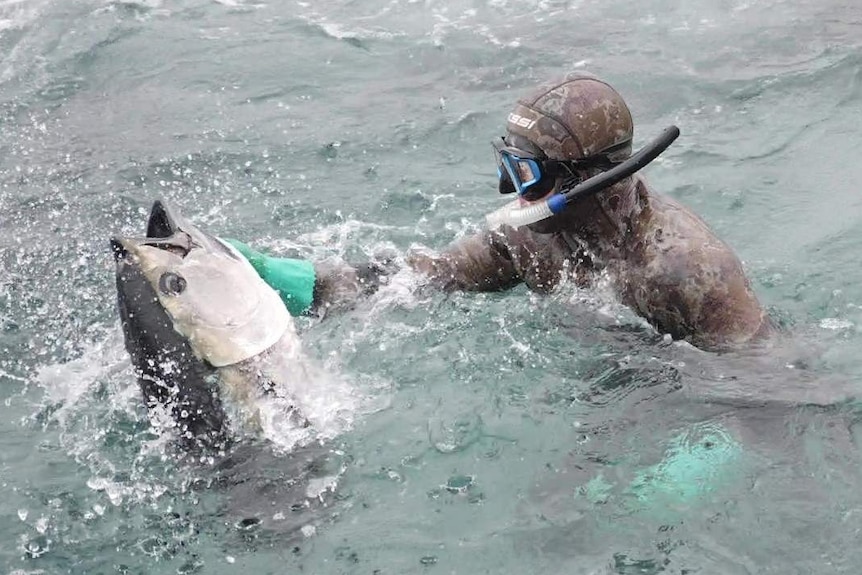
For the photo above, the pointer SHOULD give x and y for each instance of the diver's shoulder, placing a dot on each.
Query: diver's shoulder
(663, 211)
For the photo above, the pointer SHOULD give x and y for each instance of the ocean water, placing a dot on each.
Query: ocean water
(493, 433)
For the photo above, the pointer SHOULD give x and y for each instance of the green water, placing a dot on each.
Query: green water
(497, 433)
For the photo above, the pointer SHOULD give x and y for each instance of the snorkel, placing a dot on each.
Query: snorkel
(516, 215)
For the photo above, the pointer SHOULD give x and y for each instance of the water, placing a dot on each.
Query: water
(499, 433)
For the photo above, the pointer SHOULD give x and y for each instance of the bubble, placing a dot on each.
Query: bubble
(37, 547)
(459, 483)
(247, 524)
(192, 566)
(455, 435)
(42, 525)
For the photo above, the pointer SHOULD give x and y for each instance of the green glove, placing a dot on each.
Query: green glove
(292, 279)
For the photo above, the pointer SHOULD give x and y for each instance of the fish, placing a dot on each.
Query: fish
(208, 339)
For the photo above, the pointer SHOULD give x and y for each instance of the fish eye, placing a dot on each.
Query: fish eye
(172, 284)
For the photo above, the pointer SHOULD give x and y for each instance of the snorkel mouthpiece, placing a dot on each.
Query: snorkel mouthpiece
(516, 215)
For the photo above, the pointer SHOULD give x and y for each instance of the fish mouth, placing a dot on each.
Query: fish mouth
(163, 232)
(163, 221)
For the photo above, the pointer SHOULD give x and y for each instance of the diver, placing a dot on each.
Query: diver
(582, 211)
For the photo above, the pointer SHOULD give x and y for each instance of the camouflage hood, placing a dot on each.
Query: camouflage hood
(574, 117)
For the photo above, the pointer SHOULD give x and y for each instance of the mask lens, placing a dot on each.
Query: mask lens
(505, 185)
(498, 160)
(522, 171)
(526, 173)
(518, 169)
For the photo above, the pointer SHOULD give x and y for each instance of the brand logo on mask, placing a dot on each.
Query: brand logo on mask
(521, 121)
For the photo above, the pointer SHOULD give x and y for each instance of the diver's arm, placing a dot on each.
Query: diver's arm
(339, 284)
(481, 262)
(313, 288)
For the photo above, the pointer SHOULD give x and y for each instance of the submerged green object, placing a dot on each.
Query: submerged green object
(293, 279)
(695, 463)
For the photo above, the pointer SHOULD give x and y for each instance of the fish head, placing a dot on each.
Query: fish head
(211, 294)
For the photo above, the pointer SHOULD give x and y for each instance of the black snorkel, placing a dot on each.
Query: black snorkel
(516, 215)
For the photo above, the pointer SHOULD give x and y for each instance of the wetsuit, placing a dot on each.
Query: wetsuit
(660, 258)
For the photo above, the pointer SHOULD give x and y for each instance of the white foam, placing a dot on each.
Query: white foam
(66, 383)
(18, 13)
(335, 237)
(348, 32)
(305, 403)
(834, 323)
(319, 486)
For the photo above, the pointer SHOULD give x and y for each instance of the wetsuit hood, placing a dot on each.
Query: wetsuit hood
(575, 117)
